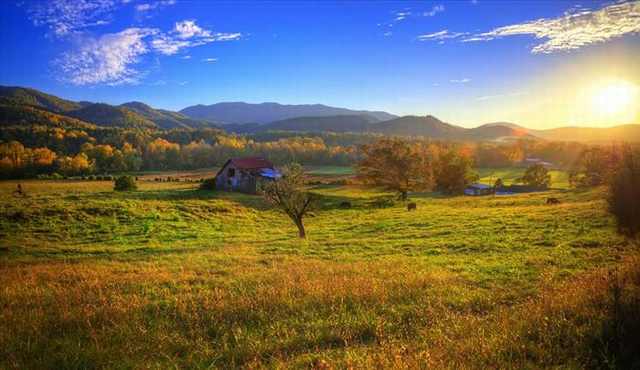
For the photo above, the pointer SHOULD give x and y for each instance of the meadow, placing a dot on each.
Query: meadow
(172, 276)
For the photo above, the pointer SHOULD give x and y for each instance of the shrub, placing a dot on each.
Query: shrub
(125, 183)
(624, 193)
(208, 184)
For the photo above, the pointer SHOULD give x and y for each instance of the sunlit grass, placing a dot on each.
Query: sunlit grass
(170, 275)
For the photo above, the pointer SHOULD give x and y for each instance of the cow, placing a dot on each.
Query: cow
(345, 205)
(412, 206)
(552, 201)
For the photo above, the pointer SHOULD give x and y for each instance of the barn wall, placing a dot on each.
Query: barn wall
(242, 180)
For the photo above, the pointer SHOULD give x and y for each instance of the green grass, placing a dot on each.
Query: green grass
(559, 178)
(172, 276)
(329, 170)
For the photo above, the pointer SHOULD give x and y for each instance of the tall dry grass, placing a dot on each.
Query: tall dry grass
(301, 312)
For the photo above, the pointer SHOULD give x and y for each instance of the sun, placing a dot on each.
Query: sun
(614, 97)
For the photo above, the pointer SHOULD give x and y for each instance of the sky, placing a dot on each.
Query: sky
(540, 64)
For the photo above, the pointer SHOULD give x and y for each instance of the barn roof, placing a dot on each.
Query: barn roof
(250, 163)
(480, 186)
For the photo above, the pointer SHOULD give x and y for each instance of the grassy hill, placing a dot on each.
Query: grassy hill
(172, 276)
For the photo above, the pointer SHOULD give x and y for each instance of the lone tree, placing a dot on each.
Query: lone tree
(288, 194)
(397, 165)
(455, 172)
(499, 184)
(624, 193)
(537, 176)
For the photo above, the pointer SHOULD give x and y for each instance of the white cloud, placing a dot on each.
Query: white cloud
(108, 59)
(187, 34)
(145, 7)
(441, 35)
(435, 10)
(188, 29)
(460, 81)
(490, 97)
(401, 15)
(210, 60)
(573, 30)
(64, 17)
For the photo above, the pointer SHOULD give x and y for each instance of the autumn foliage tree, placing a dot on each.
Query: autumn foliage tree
(397, 165)
(288, 194)
(537, 176)
(624, 192)
(454, 172)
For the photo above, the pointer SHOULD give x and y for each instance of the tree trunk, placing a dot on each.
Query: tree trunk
(301, 232)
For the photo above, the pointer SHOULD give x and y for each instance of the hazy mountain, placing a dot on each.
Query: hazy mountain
(630, 133)
(164, 118)
(239, 112)
(319, 124)
(420, 126)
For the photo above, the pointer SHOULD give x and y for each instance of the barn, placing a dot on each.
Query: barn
(245, 175)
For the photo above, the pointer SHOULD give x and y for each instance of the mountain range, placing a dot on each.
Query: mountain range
(239, 112)
(25, 106)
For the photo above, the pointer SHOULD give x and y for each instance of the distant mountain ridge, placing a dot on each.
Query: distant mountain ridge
(25, 106)
(240, 112)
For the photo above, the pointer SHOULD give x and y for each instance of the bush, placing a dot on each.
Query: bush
(125, 183)
(208, 184)
(624, 193)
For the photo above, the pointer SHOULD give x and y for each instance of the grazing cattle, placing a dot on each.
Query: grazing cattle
(412, 207)
(553, 201)
(345, 205)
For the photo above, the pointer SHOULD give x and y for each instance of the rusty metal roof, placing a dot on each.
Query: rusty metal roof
(250, 163)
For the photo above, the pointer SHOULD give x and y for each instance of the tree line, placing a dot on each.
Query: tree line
(27, 151)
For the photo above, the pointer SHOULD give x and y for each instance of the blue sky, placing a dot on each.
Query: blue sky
(537, 63)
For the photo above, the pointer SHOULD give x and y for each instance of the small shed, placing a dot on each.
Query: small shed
(478, 189)
(245, 174)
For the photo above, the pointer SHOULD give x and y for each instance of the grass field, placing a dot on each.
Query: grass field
(559, 178)
(172, 276)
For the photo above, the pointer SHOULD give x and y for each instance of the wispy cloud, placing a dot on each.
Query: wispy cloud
(187, 34)
(185, 57)
(404, 14)
(491, 97)
(210, 60)
(435, 10)
(64, 17)
(460, 81)
(107, 59)
(111, 58)
(145, 7)
(441, 35)
(574, 29)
